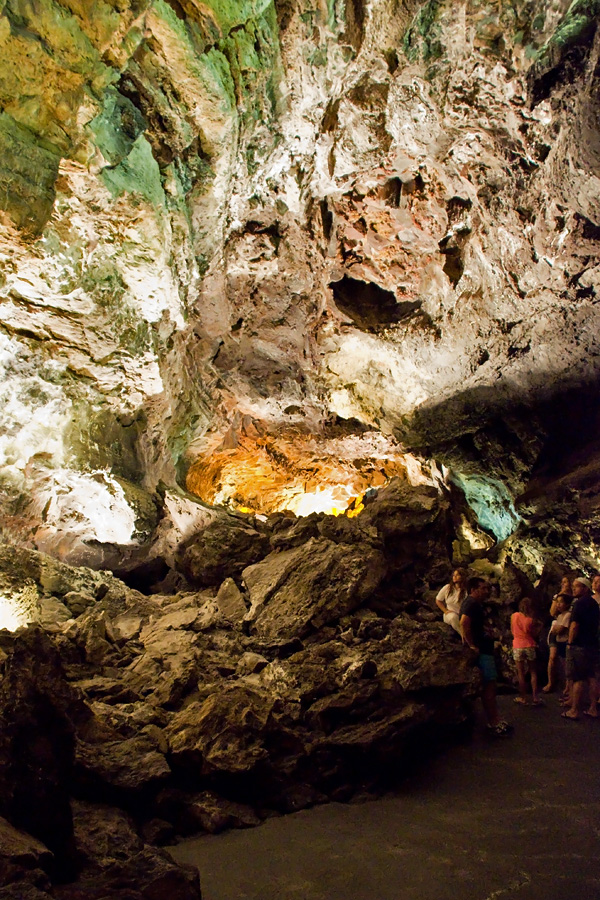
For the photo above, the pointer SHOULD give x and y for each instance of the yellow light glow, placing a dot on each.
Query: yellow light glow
(325, 500)
(356, 509)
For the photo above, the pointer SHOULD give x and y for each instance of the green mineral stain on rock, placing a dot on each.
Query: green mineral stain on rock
(255, 66)
(422, 37)
(98, 440)
(117, 127)
(137, 173)
(229, 14)
(104, 283)
(28, 172)
(577, 25)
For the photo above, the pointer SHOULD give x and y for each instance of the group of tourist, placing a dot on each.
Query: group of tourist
(573, 645)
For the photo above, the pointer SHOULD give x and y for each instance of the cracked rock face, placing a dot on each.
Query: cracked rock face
(260, 249)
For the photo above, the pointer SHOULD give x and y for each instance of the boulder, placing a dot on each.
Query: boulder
(117, 863)
(225, 733)
(230, 602)
(22, 857)
(39, 716)
(297, 591)
(53, 614)
(221, 551)
(203, 811)
(132, 765)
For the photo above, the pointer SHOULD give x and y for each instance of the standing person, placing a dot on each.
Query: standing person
(582, 648)
(474, 636)
(525, 631)
(557, 639)
(451, 597)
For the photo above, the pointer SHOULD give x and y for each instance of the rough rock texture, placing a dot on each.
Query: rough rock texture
(140, 717)
(250, 247)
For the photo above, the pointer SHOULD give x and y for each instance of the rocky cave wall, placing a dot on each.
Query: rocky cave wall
(259, 256)
(250, 249)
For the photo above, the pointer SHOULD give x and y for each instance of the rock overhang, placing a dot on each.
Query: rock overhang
(223, 168)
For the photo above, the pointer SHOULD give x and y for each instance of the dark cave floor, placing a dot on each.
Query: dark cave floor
(514, 817)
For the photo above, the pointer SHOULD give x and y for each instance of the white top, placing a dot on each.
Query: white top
(451, 596)
(563, 619)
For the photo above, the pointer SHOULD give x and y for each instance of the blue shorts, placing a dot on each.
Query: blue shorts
(487, 666)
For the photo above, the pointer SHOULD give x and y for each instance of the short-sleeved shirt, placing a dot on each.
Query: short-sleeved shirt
(564, 620)
(474, 610)
(452, 597)
(522, 627)
(586, 612)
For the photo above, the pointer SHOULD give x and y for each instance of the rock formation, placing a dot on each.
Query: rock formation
(263, 261)
(262, 250)
(128, 719)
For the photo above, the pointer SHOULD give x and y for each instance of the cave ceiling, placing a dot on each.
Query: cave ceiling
(262, 249)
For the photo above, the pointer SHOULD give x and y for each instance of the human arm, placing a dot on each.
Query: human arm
(467, 632)
(573, 631)
(561, 625)
(441, 600)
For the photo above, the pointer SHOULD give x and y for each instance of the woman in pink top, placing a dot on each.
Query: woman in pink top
(525, 630)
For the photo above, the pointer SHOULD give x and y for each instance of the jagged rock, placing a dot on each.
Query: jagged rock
(225, 733)
(169, 665)
(39, 716)
(157, 832)
(131, 765)
(116, 861)
(131, 719)
(222, 550)
(53, 614)
(204, 811)
(230, 602)
(250, 662)
(127, 626)
(22, 891)
(77, 602)
(22, 858)
(294, 591)
(401, 510)
(110, 690)
(292, 533)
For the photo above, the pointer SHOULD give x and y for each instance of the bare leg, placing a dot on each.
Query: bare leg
(534, 681)
(551, 669)
(592, 709)
(521, 670)
(567, 693)
(488, 698)
(453, 619)
(576, 693)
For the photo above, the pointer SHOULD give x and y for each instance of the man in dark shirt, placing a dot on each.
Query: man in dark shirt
(582, 648)
(472, 623)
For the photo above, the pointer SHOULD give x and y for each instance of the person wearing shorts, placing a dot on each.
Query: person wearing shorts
(582, 648)
(525, 630)
(472, 623)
